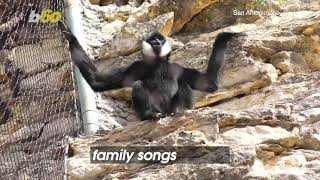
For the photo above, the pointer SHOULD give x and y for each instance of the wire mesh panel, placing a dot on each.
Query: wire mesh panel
(37, 94)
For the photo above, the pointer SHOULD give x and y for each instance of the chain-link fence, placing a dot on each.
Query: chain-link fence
(37, 95)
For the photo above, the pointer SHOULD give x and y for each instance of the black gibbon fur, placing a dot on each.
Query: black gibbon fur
(159, 88)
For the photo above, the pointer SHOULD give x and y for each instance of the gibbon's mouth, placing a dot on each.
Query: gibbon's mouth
(156, 48)
(156, 45)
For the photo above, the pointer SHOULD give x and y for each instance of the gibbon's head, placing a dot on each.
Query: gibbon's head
(156, 47)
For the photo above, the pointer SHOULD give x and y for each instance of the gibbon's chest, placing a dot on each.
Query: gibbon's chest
(162, 78)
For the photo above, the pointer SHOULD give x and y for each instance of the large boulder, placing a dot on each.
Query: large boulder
(184, 10)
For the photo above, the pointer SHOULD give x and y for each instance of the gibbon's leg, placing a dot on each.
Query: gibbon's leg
(141, 102)
(182, 100)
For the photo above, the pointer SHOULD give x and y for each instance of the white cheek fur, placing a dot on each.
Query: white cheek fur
(166, 49)
(147, 49)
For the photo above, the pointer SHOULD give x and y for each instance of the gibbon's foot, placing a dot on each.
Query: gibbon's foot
(176, 114)
(179, 110)
(152, 116)
(160, 115)
(212, 87)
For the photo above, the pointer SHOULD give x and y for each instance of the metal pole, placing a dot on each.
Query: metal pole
(86, 94)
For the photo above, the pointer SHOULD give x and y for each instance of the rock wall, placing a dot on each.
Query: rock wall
(267, 109)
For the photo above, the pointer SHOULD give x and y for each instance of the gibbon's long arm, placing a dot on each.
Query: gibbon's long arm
(100, 81)
(209, 81)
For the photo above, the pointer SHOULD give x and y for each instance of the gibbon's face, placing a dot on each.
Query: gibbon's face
(156, 46)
